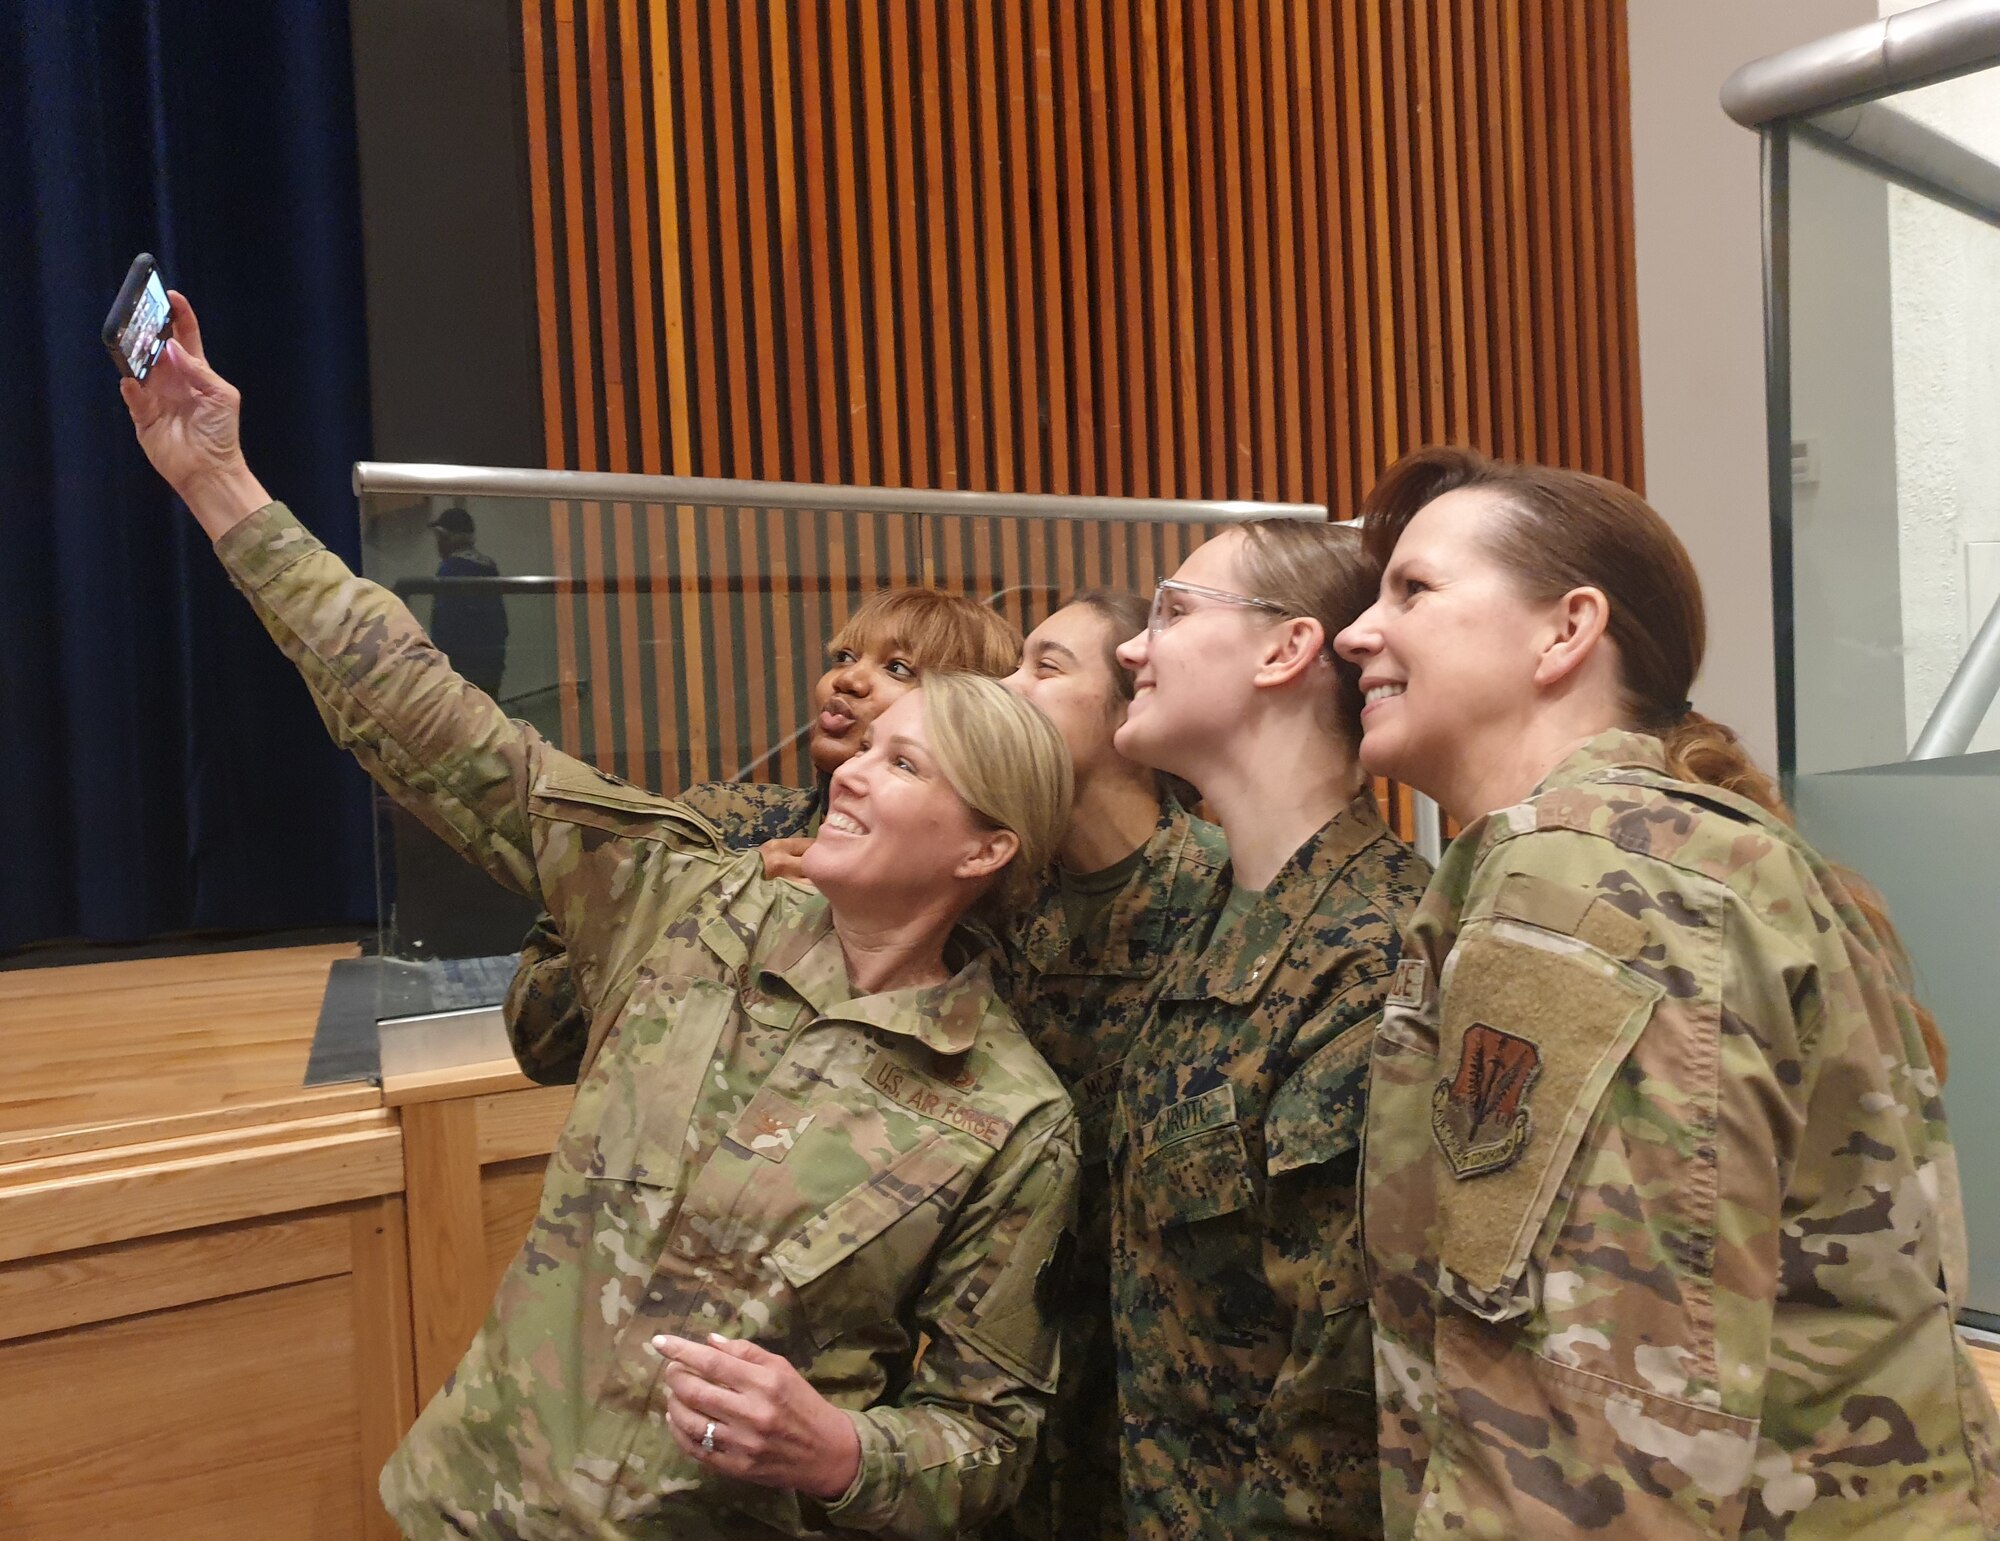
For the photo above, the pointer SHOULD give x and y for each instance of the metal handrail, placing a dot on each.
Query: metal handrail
(1912, 48)
(1968, 696)
(1911, 153)
(722, 492)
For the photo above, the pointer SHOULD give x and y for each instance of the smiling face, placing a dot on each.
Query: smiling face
(863, 677)
(1195, 673)
(894, 823)
(1449, 650)
(1066, 670)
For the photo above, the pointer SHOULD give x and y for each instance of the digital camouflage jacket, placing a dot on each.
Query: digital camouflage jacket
(1080, 1000)
(1238, 1300)
(1663, 1222)
(753, 1150)
(546, 1022)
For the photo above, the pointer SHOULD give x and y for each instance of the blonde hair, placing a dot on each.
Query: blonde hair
(1319, 571)
(1009, 764)
(938, 631)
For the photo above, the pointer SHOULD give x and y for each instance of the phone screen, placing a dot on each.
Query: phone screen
(144, 333)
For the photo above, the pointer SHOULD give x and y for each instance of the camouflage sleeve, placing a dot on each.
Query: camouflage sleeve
(437, 744)
(748, 813)
(1611, 1144)
(1316, 1471)
(547, 1025)
(954, 1449)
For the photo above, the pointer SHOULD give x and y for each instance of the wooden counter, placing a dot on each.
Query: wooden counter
(222, 1295)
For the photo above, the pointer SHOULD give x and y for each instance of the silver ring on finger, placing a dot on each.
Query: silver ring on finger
(708, 1437)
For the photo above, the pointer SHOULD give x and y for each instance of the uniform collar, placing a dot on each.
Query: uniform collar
(1613, 749)
(1236, 966)
(943, 1017)
(1174, 854)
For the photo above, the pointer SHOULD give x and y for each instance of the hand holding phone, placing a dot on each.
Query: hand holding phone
(141, 320)
(187, 419)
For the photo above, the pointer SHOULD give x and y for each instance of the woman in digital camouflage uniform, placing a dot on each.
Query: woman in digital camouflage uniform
(1082, 964)
(1662, 1217)
(807, 1136)
(1239, 1306)
(879, 655)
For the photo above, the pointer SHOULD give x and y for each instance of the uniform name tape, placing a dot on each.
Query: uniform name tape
(933, 1099)
(1184, 1120)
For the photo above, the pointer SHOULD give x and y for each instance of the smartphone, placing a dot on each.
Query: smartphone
(139, 325)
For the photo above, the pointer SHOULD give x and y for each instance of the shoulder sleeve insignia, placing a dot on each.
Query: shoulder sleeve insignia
(1480, 1114)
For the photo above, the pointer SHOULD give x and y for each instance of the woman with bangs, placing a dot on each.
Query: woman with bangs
(1662, 1213)
(790, 1269)
(882, 653)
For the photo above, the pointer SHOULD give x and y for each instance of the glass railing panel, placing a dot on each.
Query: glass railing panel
(1892, 295)
(677, 643)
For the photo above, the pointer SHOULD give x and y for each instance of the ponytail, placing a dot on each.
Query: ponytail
(1703, 750)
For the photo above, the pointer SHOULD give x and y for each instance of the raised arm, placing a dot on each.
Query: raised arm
(439, 745)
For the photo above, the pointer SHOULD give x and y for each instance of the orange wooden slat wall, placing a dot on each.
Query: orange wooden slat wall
(1175, 248)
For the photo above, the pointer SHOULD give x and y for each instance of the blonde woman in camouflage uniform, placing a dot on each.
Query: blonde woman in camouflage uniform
(1662, 1217)
(1082, 964)
(879, 655)
(804, 1134)
(1239, 1307)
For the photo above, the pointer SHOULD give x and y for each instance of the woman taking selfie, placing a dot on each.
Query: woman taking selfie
(1239, 1307)
(881, 654)
(1083, 962)
(1663, 1222)
(807, 1136)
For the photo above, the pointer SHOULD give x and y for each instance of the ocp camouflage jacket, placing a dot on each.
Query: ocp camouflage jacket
(1662, 1219)
(547, 1024)
(1080, 999)
(753, 1151)
(1238, 1298)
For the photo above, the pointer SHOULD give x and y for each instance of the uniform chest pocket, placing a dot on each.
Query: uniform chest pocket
(632, 1112)
(1196, 1166)
(854, 1262)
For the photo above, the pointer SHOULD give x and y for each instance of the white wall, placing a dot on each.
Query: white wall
(1946, 271)
(1698, 220)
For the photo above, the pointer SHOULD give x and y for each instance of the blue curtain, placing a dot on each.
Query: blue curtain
(160, 768)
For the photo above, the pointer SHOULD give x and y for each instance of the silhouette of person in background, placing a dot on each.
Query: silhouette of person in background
(468, 625)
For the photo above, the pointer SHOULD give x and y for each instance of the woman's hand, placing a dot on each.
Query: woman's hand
(769, 1425)
(186, 416)
(782, 857)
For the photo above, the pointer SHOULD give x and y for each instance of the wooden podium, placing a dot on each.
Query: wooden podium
(224, 1296)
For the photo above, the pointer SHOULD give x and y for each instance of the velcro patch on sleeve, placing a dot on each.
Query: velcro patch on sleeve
(1533, 1028)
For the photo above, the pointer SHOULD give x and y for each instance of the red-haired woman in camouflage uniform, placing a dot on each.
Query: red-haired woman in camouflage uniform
(1662, 1217)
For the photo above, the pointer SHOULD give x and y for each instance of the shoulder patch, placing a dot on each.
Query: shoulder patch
(1480, 1113)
